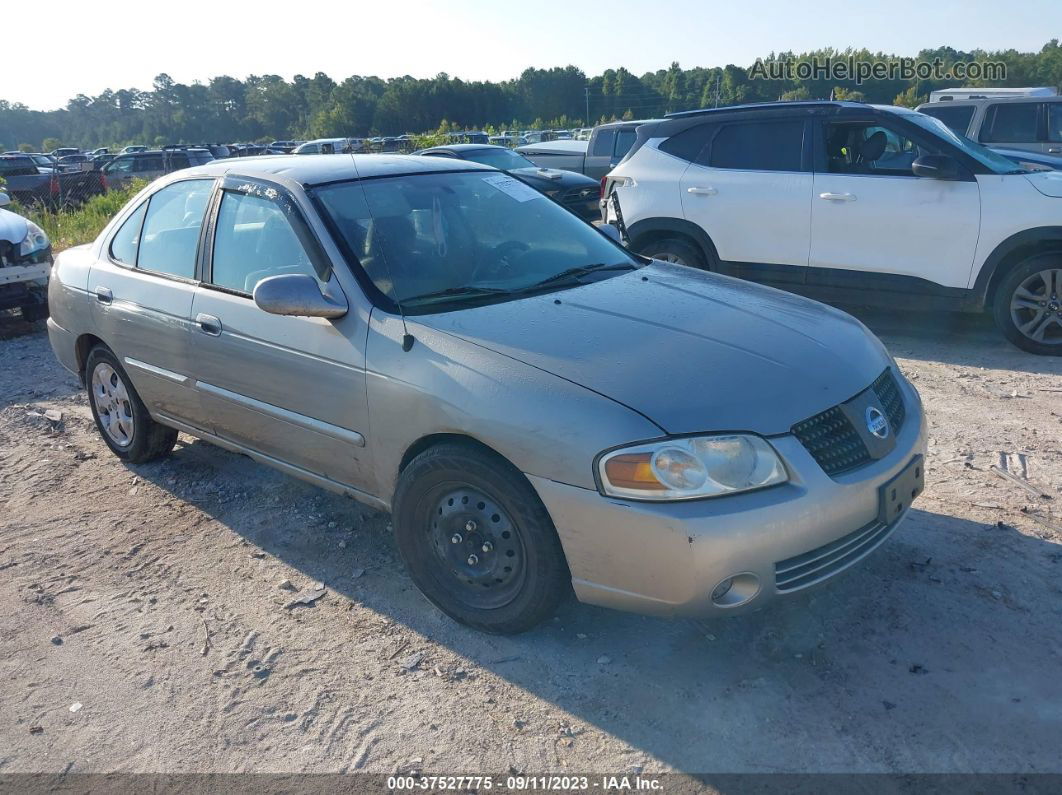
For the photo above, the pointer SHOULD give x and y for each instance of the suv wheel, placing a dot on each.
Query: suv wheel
(121, 416)
(1028, 305)
(477, 541)
(675, 250)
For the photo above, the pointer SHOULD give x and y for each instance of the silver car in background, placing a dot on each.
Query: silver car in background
(540, 409)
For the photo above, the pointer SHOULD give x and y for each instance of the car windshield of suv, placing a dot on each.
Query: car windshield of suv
(439, 241)
(501, 159)
(982, 154)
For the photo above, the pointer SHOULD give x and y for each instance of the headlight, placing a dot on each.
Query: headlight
(34, 241)
(688, 468)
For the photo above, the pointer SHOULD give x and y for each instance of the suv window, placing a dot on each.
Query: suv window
(127, 238)
(17, 167)
(178, 160)
(148, 163)
(1054, 122)
(869, 148)
(1011, 122)
(170, 239)
(688, 144)
(603, 143)
(956, 117)
(624, 142)
(120, 165)
(759, 146)
(257, 238)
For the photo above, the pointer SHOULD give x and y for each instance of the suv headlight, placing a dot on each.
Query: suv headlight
(691, 467)
(34, 241)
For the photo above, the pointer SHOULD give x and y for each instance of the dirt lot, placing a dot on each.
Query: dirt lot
(151, 596)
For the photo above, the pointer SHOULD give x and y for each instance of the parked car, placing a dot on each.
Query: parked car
(151, 164)
(1011, 122)
(283, 147)
(78, 162)
(539, 408)
(65, 151)
(25, 262)
(132, 149)
(851, 203)
(595, 157)
(1033, 161)
(576, 192)
(328, 146)
(51, 187)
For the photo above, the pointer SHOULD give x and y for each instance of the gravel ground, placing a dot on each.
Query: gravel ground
(147, 624)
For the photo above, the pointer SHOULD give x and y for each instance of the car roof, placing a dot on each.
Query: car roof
(1005, 99)
(320, 169)
(807, 103)
(463, 147)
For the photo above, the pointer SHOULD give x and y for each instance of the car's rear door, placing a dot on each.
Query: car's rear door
(749, 189)
(291, 388)
(141, 291)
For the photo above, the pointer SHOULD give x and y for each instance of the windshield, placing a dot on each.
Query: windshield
(502, 159)
(982, 154)
(434, 240)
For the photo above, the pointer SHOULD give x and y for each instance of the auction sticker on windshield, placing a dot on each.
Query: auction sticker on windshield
(513, 187)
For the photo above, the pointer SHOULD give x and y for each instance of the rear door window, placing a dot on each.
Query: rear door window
(624, 142)
(1011, 122)
(145, 163)
(169, 242)
(759, 146)
(603, 143)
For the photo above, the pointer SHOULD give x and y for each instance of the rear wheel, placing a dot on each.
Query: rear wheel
(675, 250)
(477, 540)
(121, 416)
(1028, 305)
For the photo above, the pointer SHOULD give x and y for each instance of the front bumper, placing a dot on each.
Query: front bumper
(667, 558)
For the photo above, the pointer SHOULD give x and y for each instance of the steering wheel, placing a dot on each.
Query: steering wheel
(502, 257)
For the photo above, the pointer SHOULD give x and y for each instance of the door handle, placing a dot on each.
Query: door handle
(208, 324)
(1054, 150)
(838, 197)
(706, 191)
(104, 295)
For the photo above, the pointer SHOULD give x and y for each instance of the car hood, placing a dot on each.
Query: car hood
(691, 351)
(12, 227)
(1049, 183)
(551, 178)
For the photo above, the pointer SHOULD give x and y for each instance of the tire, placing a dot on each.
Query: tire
(675, 250)
(31, 313)
(1028, 305)
(137, 438)
(454, 503)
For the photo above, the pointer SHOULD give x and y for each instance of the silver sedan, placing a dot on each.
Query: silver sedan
(541, 410)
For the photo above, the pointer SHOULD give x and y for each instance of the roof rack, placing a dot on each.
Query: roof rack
(774, 105)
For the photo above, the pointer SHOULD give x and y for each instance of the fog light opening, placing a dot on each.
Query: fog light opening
(736, 590)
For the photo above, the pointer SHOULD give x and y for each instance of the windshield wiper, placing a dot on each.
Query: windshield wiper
(458, 292)
(581, 270)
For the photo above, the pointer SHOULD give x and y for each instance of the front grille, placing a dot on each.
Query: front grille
(817, 565)
(834, 443)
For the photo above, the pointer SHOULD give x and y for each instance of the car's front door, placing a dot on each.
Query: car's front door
(141, 291)
(292, 388)
(750, 190)
(871, 214)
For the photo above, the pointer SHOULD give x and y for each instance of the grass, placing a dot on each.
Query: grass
(72, 227)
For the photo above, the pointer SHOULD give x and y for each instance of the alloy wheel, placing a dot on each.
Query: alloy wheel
(1036, 307)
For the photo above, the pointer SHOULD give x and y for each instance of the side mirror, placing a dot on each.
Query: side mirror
(611, 232)
(936, 167)
(4, 199)
(297, 294)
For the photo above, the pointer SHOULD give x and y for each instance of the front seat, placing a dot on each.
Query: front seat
(872, 148)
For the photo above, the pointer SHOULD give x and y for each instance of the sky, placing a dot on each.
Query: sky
(129, 43)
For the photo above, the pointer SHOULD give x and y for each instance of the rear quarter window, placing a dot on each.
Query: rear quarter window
(688, 144)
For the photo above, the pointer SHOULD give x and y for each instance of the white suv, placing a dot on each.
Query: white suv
(849, 203)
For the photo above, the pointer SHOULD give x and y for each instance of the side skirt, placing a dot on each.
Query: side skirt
(288, 469)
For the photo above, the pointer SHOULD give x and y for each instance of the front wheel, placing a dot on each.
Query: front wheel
(477, 541)
(121, 416)
(1028, 305)
(675, 250)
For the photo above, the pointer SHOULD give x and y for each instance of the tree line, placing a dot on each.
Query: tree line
(267, 107)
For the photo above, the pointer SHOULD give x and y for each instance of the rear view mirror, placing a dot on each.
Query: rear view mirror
(298, 294)
(4, 199)
(936, 167)
(611, 232)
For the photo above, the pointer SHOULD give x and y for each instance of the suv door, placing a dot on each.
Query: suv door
(750, 190)
(1014, 125)
(871, 214)
(143, 284)
(292, 388)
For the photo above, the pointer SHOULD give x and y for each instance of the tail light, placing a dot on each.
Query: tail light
(601, 193)
(53, 185)
(103, 181)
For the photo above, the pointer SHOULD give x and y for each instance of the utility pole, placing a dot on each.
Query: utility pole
(586, 89)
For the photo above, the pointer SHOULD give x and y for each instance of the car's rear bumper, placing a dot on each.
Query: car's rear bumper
(63, 345)
(667, 558)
